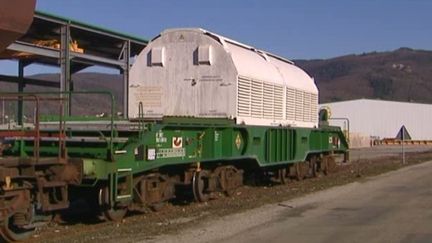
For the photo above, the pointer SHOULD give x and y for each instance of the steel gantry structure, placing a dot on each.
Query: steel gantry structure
(73, 46)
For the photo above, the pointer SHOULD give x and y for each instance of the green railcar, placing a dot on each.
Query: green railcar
(121, 165)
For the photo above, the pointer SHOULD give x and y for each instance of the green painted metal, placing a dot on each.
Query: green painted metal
(181, 141)
(114, 157)
(90, 26)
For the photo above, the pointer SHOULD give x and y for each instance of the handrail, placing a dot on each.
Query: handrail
(347, 122)
(36, 134)
(70, 93)
(141, 118)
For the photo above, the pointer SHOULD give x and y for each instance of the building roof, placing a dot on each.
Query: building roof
(94, 45)
(365, 100)
(52, 16)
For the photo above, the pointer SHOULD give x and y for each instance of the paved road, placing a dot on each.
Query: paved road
(394, 207)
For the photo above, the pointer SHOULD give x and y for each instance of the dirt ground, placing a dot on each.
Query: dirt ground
(183, 214)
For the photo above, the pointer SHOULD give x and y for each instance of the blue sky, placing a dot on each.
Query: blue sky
(302, 29)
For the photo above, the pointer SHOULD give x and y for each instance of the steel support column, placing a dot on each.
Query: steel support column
(21, 86)
(3, 111)
(65, 76)
(125, 71)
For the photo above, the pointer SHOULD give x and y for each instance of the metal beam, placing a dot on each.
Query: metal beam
(89, 28)
(54, 53)
(34, 49)
(95, 60)
(49, 19)
(105, 34)
(30, 81)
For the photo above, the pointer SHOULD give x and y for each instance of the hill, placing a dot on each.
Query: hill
(401, 75)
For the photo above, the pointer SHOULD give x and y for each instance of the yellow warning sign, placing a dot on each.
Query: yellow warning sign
(238, 141)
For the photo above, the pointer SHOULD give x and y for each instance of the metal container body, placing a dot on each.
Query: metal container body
(169, 81)
(196, 73)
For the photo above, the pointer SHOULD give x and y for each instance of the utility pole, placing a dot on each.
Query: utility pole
(403, 147)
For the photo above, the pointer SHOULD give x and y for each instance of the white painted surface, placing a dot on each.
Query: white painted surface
(197, 75)
(384, 119)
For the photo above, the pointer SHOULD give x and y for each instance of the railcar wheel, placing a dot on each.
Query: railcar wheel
(302, 169)
(230, 178)
(10, 232)
(115, 213)
(233, 180)
(152, 191)
(200, 186)
(284, 175)
(313, 165)
(329, 163)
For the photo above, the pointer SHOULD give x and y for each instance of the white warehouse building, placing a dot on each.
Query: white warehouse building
(371, 119)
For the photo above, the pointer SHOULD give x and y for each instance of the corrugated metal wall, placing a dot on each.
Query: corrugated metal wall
(384, 119)
(259, 99)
